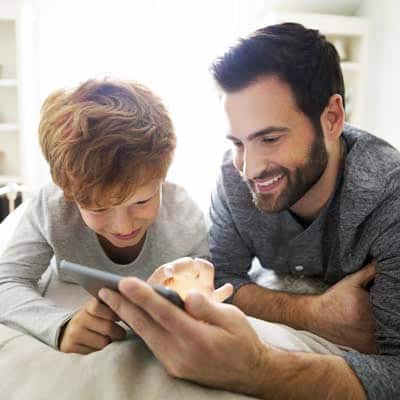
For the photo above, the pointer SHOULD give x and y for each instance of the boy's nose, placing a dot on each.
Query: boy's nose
(122, 224)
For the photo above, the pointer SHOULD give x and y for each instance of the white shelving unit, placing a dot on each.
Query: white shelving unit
(350, 36)
(10, 166)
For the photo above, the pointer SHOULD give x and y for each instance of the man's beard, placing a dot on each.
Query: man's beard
(298, 183)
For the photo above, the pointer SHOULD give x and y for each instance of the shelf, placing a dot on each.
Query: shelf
(8, 127)
(4, 179)
(8, 83)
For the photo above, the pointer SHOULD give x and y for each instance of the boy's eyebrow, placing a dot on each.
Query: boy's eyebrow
(262, 132)
(134, 202)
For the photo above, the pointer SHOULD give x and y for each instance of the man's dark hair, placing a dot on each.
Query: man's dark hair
(301, 57)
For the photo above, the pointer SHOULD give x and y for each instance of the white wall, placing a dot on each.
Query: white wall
(383, 77)
(166, 44)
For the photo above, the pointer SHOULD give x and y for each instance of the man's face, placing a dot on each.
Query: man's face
(125, 225)
(275, 147)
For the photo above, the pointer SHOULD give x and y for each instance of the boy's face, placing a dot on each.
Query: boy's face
(275, 147)
(125, 225)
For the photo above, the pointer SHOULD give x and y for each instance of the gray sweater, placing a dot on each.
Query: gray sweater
(36, 299)
(361, 221)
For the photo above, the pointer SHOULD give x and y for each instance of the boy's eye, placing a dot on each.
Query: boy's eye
(143, 202)
(99, 211)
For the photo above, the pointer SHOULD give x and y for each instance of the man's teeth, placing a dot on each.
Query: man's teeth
(271, 181)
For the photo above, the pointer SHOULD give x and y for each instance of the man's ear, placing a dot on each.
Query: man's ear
(332, 118)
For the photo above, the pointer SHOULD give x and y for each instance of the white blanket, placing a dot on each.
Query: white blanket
(31, 370)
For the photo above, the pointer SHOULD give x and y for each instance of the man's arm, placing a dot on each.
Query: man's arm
(214, 344)
(342, 314)
(274, 306)
(231, 254)
(380, 374)
(296, 375)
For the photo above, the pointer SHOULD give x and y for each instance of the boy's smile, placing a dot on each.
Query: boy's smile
(125, 225)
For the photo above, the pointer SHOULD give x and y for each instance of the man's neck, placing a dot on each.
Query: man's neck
(310, 205)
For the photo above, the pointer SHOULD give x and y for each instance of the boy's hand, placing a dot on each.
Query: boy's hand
(91, 329)
(186, 273)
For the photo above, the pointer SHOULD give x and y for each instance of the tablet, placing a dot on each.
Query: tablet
(92, 280)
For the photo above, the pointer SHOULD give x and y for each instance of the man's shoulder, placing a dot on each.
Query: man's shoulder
(370, 189)
(372, 164)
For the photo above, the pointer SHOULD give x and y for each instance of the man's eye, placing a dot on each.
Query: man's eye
(268, 139)
(237, 144)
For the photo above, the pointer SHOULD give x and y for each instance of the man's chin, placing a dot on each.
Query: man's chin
(268, 204)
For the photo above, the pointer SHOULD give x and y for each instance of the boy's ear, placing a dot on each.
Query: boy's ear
(333, 117)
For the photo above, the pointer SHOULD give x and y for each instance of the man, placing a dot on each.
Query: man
(308, 196)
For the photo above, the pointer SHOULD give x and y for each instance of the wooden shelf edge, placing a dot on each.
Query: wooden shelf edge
(4, 179)
(8, 82)
(8, 127)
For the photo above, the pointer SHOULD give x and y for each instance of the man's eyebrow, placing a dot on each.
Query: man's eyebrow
(262, 132)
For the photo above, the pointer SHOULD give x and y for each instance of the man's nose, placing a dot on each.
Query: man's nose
(251, 164)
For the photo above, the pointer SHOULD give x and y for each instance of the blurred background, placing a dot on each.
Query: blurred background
(169, 45)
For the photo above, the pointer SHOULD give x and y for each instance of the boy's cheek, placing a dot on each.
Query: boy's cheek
(94, 223)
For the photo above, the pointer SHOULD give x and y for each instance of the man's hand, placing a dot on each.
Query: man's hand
(213, 344)
(210, 343)
(91, 329)
(185, 274)
(343, 313)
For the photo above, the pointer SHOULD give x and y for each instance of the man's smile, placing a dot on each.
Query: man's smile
(268, 185)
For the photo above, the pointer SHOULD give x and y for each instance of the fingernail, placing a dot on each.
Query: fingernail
(103, 294)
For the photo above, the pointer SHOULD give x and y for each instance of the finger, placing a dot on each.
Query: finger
(93, 339)
(222, 293)
(82, 349)
(161, 274)
(166, 314)
(183, 264)
(105, 327)
(225, 316)
(141, 322)
(364, 275)
(205, 268)
(97, 309)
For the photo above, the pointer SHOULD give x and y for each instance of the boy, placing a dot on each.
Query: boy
(109, 145)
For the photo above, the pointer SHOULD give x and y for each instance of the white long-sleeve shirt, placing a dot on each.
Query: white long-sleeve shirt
(35, 297)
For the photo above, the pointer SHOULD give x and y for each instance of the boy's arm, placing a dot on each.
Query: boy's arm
(22, 264)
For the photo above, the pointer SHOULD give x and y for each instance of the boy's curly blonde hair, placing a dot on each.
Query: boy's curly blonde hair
(104, 139)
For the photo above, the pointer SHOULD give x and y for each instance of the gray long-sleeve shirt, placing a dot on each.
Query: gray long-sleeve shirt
(51, 228)
(360, 221)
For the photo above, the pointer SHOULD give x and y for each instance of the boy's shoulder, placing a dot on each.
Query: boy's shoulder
(177, 206)
(180, 228)
(49, 205)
